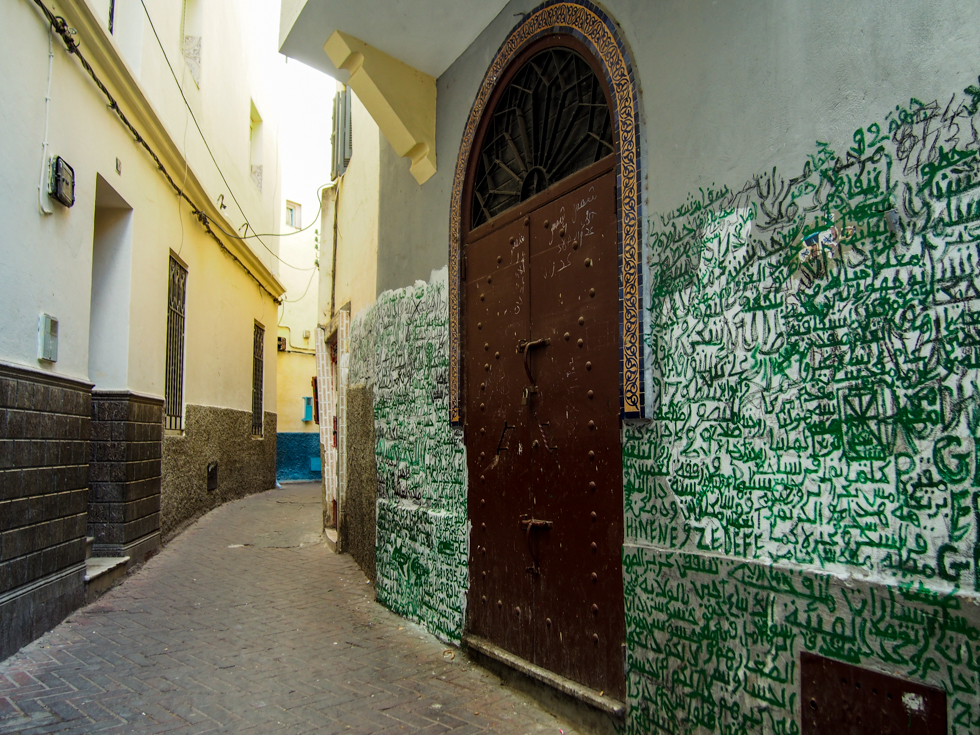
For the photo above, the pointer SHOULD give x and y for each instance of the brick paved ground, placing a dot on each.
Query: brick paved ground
(247, 622)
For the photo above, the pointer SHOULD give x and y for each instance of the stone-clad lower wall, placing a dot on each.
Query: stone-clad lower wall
(246, 464)
(359, 521)
(124, 496)
(44, 433)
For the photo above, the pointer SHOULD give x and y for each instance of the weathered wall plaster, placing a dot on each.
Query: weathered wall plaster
(422, 532)
(815, 353)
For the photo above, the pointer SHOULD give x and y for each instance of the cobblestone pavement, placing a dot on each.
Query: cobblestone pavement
(247, 622)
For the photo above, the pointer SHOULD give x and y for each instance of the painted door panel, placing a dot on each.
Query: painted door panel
(497, 442)
(576, 465)
(547, 526)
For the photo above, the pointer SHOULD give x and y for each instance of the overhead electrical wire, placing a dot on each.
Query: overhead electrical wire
(210, 153)
(60, 26)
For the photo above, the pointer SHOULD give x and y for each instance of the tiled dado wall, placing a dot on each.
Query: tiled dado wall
(125, 471)
(44, 468)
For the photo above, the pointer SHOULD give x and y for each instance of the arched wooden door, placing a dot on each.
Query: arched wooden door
(542, 352)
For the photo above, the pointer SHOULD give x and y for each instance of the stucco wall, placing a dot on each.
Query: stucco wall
(47, 260)
(357, 216)
(808, 479)
(295, 371)
(423, 538)
(817, 376)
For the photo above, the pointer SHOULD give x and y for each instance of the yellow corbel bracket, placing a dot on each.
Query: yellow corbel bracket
(400, 98)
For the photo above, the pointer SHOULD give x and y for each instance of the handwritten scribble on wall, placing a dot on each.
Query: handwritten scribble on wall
(422, 539)
(816, 344)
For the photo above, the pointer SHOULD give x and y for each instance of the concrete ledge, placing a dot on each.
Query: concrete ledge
(101, 573)
(590, 710)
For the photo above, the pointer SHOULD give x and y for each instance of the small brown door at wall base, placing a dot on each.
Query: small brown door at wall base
(542, 432)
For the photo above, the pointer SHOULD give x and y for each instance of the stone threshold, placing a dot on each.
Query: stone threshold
(584, 694)
(101, 573)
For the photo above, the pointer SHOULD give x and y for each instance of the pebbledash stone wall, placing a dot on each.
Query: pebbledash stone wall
(124, 474)
(359, 520)
(246, 464)
(44, 432)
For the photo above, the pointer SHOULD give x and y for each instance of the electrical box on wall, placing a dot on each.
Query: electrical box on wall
(281, 344)
(47, 338)
(62, 185)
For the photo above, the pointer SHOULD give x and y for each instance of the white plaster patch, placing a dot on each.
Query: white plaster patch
(913, 702)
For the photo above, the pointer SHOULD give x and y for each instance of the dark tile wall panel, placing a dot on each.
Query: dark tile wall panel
(124, 472)
(44, 434)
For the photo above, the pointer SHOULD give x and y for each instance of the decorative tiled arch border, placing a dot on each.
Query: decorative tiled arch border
(584, 21)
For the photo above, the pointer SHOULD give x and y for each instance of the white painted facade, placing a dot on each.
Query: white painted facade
(101, 266)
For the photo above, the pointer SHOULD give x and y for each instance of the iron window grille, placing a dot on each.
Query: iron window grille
(174, 379)
(551, 121)
(258, 345)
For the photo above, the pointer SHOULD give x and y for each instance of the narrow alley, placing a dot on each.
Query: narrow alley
(248, 622)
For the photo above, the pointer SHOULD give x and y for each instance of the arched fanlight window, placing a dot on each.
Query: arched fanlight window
(551, 121)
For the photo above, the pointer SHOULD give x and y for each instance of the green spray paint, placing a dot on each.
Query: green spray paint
(815, 345)
(421, 507)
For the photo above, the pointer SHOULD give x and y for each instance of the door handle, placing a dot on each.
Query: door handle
(525, 346)
(527, 524)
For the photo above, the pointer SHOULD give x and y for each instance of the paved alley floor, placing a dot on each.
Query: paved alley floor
(247, 622)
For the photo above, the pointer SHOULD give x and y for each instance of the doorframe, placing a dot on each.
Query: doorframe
(585, 28)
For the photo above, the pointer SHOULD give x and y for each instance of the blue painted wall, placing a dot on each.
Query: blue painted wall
(294, 452)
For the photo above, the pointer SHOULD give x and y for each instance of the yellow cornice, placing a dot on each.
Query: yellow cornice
(400, 98)
(98, 47)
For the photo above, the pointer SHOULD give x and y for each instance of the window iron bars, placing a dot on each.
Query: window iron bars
(174, 378)
(258, 347)
(551, 121)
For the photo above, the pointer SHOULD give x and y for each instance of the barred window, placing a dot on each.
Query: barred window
(258, 346)
(174, 379)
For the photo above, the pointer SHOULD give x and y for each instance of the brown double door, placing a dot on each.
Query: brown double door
(543, 433)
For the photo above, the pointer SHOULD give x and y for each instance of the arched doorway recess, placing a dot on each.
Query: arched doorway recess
(545, 340)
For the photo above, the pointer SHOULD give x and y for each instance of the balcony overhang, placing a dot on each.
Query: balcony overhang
(390, 53)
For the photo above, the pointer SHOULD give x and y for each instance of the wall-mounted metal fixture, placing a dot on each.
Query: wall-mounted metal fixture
(281, 344)
(47, 338)
(62, 185)
(119, 167)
